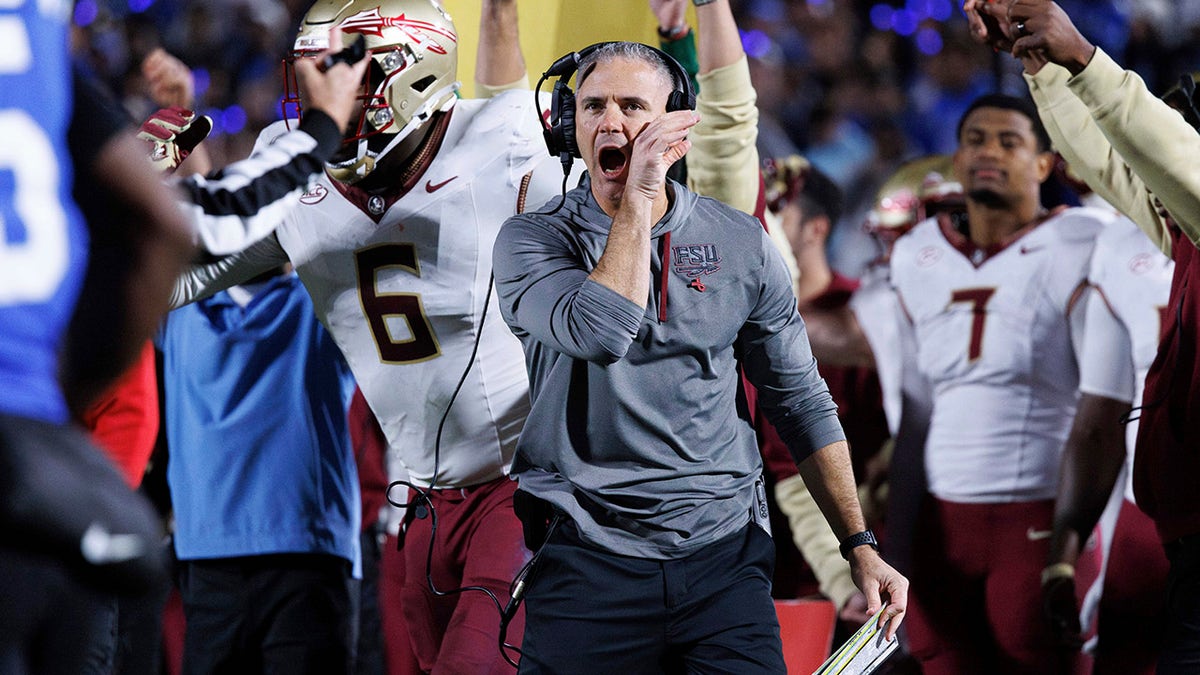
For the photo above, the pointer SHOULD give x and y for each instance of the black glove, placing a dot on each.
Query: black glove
(1062, 609)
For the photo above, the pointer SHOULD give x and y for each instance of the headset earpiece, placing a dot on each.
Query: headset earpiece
(560, 134)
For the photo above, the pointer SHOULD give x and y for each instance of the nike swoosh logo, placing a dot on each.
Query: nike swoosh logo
(1035, 535)
(431, 187)
(1025, 250)
(99, 547)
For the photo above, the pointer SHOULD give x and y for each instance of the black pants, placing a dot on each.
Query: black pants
(293, 613)
(49, 622)
(590, 611)
(131, 641)
(72, 537)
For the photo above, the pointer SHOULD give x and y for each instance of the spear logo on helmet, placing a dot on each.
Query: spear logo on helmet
(371, 22)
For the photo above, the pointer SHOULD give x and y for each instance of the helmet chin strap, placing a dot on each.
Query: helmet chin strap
(365, 160)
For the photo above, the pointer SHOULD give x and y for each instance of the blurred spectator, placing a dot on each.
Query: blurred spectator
(947, 83)
(263, 482)
(803, 205)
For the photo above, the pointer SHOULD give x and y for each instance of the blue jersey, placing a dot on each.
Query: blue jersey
(43, 242)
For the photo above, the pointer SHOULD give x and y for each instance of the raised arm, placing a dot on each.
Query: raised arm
(499, 64)
(1086, 148)
(724, 162)
(171, 86)
(243, 202)
(200, 281)
(1152, 146)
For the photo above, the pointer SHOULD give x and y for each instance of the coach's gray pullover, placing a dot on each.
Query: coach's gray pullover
(635, 429)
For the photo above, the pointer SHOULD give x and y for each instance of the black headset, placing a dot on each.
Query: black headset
(559, 130)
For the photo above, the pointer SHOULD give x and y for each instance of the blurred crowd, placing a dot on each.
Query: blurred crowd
(856, 86)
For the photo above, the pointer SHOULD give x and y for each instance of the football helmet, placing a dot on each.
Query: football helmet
(413, 48)
(1183, 97)
(783, 180)
(919, 189)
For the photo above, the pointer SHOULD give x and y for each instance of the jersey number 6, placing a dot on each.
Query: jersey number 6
(421, 345)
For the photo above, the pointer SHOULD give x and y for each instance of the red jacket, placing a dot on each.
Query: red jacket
(1167, 460)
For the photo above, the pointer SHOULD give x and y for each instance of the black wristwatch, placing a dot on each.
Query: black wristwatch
(864, 538)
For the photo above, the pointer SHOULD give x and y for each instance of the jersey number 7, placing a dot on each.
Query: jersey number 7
(978, 299)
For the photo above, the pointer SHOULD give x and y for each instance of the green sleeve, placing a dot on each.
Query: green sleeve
(684, 51)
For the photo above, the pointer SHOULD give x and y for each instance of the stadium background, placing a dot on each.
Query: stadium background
(856, 86)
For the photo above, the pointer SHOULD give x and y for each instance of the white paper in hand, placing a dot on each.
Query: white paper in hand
(865, 651)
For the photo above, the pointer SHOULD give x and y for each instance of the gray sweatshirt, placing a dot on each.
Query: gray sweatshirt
(637, 430)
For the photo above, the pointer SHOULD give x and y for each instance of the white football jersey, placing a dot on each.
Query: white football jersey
(993, 338)
(1133, 283)
(401, 288)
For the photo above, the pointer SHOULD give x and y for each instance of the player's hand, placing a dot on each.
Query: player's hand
(855, 612)
(983, 25)
(1042, 29)
(879, 581)
(670, 13)
(657, 146)
(173, 133)
(169, 80)
(333, 91)
(1058, 600)
(1033, 30)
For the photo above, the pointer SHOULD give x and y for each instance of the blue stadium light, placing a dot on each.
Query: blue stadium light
(218, 127)
(917, 8)
(201, 80)
(234, 119)
(904, 22)
(756, 43)
(929, 41)
(86, 12)
(940, 10)
(139, 6)
(881, 17)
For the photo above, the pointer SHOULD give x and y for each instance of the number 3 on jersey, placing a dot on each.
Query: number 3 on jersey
(34, 246)
(381, 308)
(978, 299)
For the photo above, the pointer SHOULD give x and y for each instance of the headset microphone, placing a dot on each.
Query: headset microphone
(565, 65)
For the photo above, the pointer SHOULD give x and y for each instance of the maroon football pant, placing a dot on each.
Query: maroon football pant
(1132, 605)
(478, 543)
(975, 604)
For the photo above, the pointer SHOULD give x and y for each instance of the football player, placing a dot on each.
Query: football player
(993, 307)
(1131, 281)
(394, 244)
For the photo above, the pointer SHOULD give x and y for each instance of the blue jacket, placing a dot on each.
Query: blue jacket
(256, 402)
